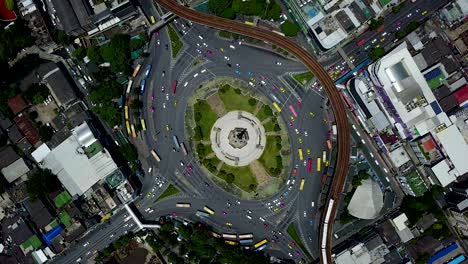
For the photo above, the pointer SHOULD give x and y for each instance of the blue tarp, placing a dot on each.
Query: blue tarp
(443, 252)
(457, 260)
(52, 234)
(432, 74)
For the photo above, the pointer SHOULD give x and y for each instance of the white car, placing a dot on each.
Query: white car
(262, 82)
(409, 15)
(305, 214)
(279, 63)
(305, 133)
(182, 163)
(195, 75)
(232, 47)
(147, 209)
(167, 96)
(159, 43)
(185, 84)
(262, 219)
(86, 244)
(204, 44)
(287, 183)
(374, 41)
(200, 37)
(251, 84)
(203, 71)
(249, 217)
(297, 131)
(226, 58)
(164, 105)
(151, 211)
(293, 182)
(198, 45)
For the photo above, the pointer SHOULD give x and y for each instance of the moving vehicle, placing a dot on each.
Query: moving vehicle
(276, 106)
(229, 236)
(301, 187)
(129, 131)
(143, 124)
(361, 42)
(319, 164)
(174, 87)
(208, 210)
(301, 157)
(324, 156)
(260, 244)
(184, 150)
(136, 70)
(309, 165)
(245, 236)
(279, 33)
(232, 243)
(249, 23)
(329, 145)
(176, 142)
(126, 112)
(142, 86)
(183, 205)
(246, 241)
(293, 111)
(153, 20)
(148, 70)
(155, 156)
(201, 214)
(129, 86)
(133, 130)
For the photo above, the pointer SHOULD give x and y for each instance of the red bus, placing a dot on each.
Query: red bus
(309, 165)
(174, 87)
(292, 110)
(362, 41)
(380, 28)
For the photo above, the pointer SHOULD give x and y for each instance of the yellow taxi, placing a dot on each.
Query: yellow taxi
(282, 89)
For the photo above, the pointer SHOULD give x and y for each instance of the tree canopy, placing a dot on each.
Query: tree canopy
(14, 39)
(42, 182)
(229, 8)
(117, 53)
(289, 28)
(36, 93)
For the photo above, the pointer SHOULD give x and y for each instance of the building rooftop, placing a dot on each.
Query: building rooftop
(7, 156)
(38, 213)
(74, 168)
(399, 156)
(5, 122)
(456, 148)
(17, 104)
(58, 83)
(444, 174)
(14, 134)
(40, 153)
(367, 200)
(27, 128)
(15, 170)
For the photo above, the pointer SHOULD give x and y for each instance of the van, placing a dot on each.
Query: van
(249, 217)
(232, 47)
(262, 219)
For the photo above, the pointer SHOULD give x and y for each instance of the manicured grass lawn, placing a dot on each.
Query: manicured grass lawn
(65, 219)
(176, 43)
(270, 125)
(62, 199)
(264, 112)
(32, 242)
(303, 78)
(268, 158)
(293, 233)
(416, 183)
(243, 176)
(171, 190)
(235, 100)
(436, 81)
(207, 118)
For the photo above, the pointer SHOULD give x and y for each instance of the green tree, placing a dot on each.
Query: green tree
(40, 183)
(274, 11)
(117, 53)
(136, 104)
(423, 259)
(377, 52)
(94, 54)
(252, 101)
(36, 93)
(228, 14)
(60, 37)
(129, 152)
(345, 217)
(45, 133)
(109, 112)
(14, 39)
(289, 28)
(230, 178)
(79, 53)
(217, 7)
(105, 91)
(376, 23)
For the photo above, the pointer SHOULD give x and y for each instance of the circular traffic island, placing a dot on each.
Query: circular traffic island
(239, 141)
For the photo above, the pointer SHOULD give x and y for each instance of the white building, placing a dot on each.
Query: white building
(79, 162)
(401, 227)
(367, 200)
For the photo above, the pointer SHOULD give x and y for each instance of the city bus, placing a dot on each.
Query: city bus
(329, 145)
(153, 20)
(174, 87)
(261, 243)
(136, 70)
(309, 165)
(208, 210)
(249, 23)
(324, 156)
(201, 214)
(319, 163)
(129, 131)
(126, 112)
(214, 234)
(229, 236)
(183, 205)
(276, 106)
(148, 70)
(176, 142)
(301, 187)
(143, 124)
(232, 243)
(279, 33)
(155, 156)
(246, 241)
(129, 86)
(292, 110)
(300, 154)
(133, 130)
(360, 42)
(260, 248)
(184, 150)
(142, 86)
(245, 236)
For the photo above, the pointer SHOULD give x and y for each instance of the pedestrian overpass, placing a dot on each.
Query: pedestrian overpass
(137, 221)
(165, 19)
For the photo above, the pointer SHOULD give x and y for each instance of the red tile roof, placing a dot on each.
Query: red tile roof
(17, 104)
(461, 94)
(29, 131)
(429, 145)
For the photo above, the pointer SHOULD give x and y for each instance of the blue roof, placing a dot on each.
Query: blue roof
(457, 260)
(435, 106)
(443, 252)
(52, 234)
